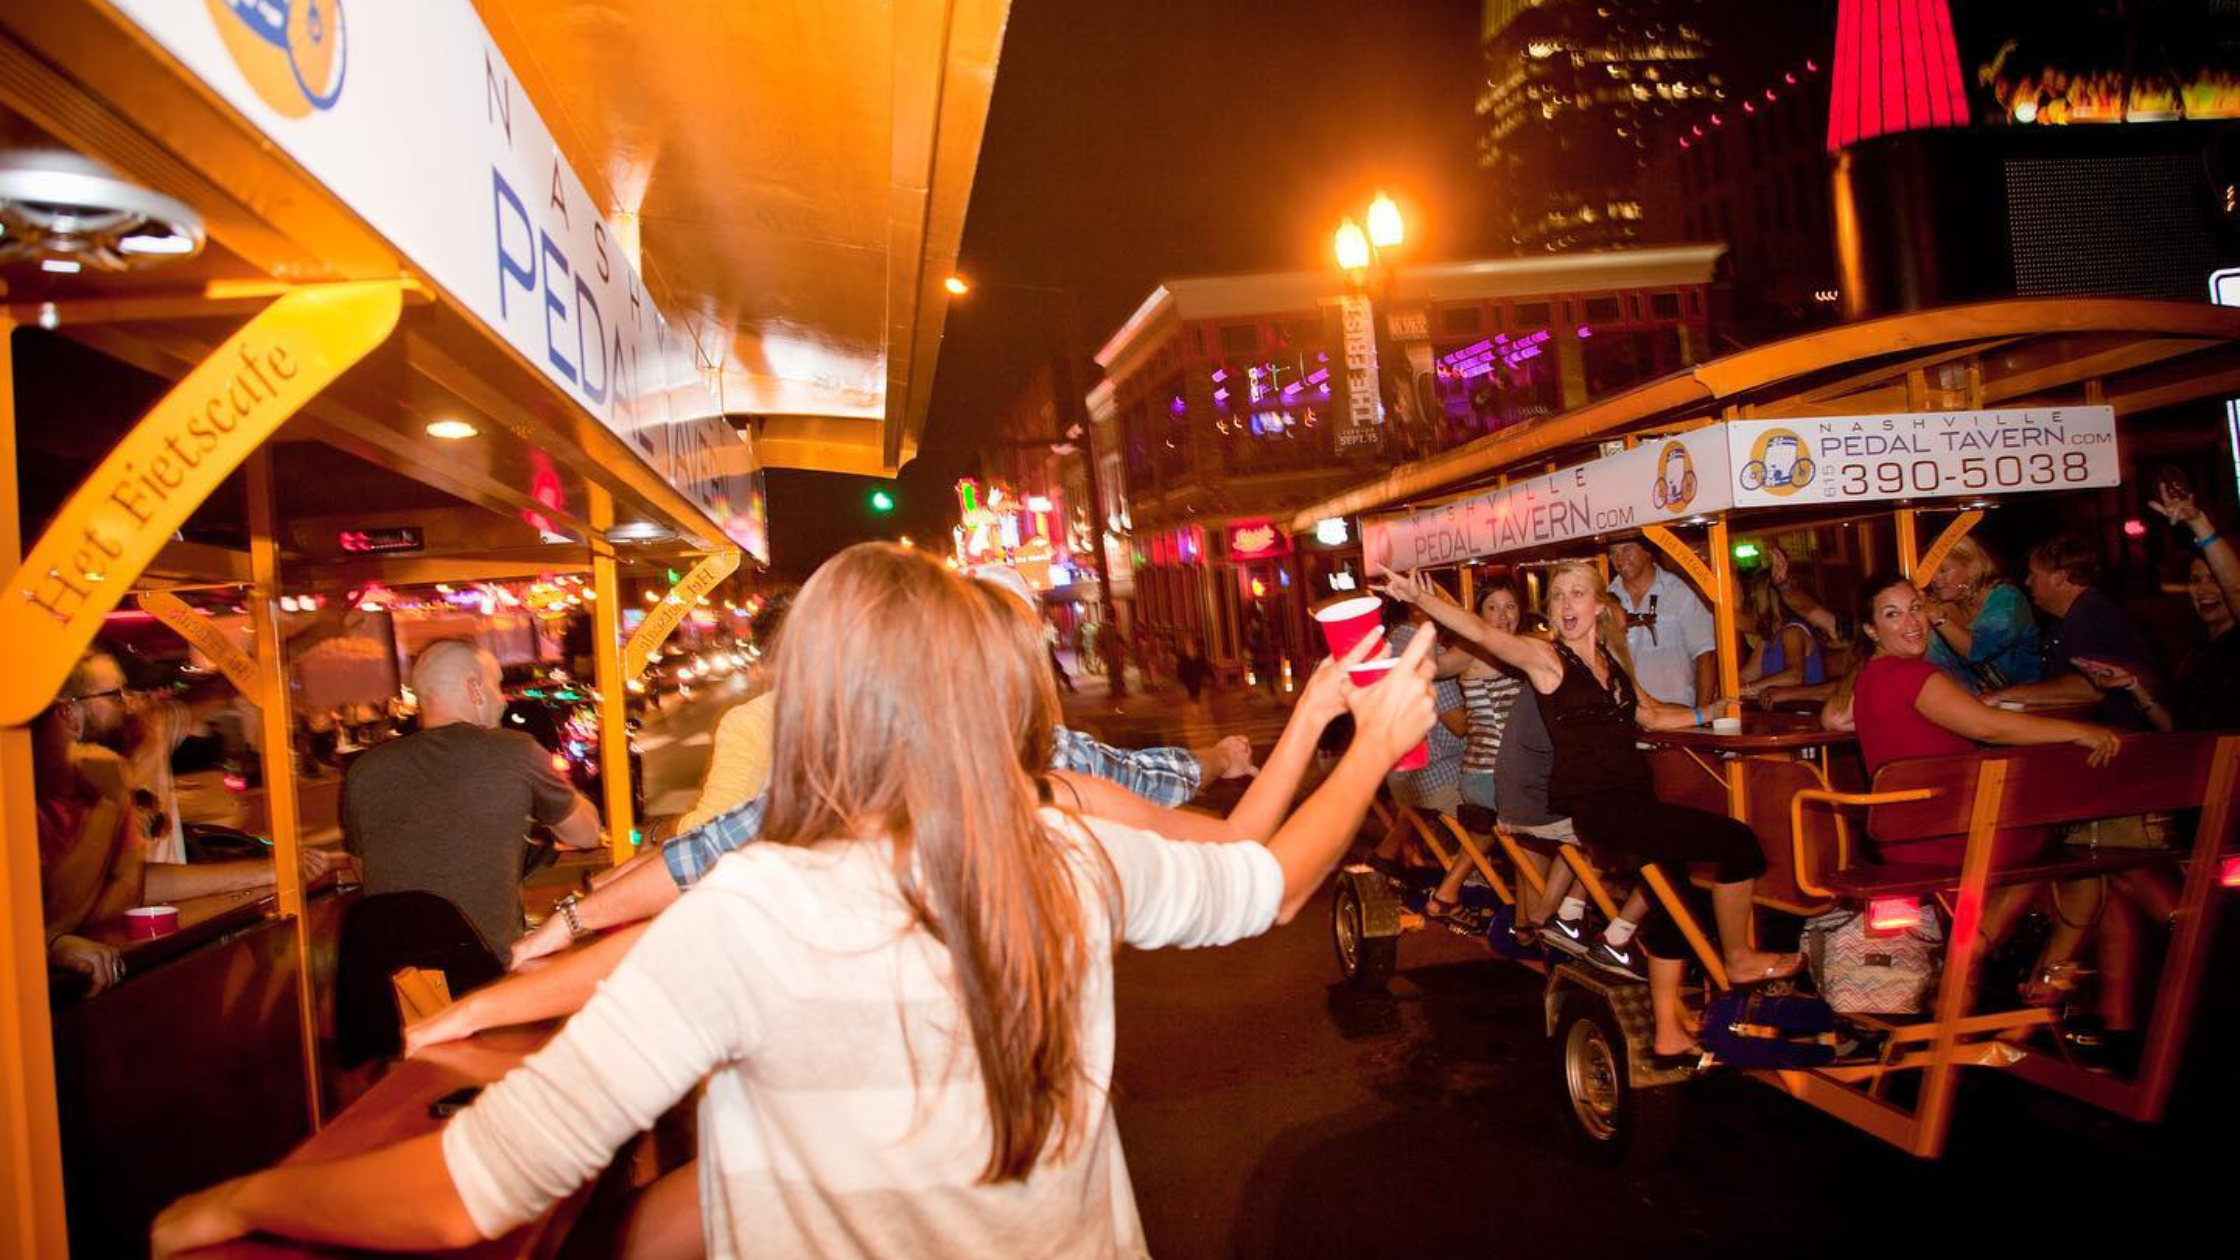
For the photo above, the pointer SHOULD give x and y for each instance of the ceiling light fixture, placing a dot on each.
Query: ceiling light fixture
(61, 207)
(452, 430)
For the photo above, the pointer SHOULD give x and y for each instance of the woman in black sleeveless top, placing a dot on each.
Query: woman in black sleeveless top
(1601, 780)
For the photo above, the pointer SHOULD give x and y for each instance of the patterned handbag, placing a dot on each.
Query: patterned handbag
(1859, 970)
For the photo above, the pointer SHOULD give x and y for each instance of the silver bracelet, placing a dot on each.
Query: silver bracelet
(567, 908)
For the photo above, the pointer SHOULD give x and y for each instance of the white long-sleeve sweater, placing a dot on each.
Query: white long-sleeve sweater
(844, 1114)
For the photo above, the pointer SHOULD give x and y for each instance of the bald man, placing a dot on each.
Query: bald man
(447, 810)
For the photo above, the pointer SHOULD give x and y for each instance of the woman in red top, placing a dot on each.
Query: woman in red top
(1902, 706)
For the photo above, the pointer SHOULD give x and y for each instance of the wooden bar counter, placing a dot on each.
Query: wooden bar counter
(397, 1109)
(190, 1068)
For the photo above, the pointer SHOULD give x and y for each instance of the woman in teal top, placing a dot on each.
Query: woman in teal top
(1986, 635)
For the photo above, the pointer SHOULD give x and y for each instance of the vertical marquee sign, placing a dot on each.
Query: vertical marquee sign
(1363, 412)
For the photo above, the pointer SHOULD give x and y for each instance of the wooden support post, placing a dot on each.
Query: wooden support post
(1957, 529)
(276, 726)
(613, 686)
(1909, 549)
(2187, 963)
(31, 1218)
(1933, 1115)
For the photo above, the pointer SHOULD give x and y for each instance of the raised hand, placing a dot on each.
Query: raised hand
(1324, 696)
(2176, 505)
(1394, 714)
(1408, 588)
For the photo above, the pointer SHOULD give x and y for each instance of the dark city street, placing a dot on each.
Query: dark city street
(1213, 629)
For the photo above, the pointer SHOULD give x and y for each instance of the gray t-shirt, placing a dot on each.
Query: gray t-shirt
(447, 811)
(1528, 758)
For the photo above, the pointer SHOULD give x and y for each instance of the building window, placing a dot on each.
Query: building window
(1530, 315)
(1240, 338)
(1605, 310)
(1456, 320)
(1664, 306)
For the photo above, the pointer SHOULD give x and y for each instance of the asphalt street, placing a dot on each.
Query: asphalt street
(1269, 1111)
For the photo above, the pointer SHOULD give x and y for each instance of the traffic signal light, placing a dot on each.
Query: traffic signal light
(882, 500)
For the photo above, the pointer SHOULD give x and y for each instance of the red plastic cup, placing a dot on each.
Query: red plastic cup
(1369, 674)
(1348, 622)
(144, 922)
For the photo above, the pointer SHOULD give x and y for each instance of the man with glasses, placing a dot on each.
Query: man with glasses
(94, 847)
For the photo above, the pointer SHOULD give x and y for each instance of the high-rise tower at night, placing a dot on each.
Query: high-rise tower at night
(1576, 94)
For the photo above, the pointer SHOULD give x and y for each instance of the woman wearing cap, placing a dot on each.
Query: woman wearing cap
(900, 1001)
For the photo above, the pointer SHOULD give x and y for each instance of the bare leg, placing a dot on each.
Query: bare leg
(2149, 889)
(2004, 907)
(2077, 906)
(1636, 907)
(1731, 905)
(1450, 889)
(664, 1219)
(2117, 944)
(1672, 1036)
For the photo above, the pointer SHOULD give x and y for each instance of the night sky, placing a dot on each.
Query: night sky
(1132, 140)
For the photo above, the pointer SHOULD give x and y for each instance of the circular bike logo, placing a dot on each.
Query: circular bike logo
(292, 52)
(1778, 464)
(1676, 478)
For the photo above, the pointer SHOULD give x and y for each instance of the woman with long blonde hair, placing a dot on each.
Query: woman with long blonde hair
(1600, 780)
(900, 1001)
(1983, 632)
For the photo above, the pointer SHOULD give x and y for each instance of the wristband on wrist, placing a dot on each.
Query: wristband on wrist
(1698, 713)
(2202, 543)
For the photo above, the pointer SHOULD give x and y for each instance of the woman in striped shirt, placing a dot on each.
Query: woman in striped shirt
(1489, 688)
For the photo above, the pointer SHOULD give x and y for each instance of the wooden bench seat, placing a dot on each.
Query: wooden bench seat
(1896, 879)
(1933, 800)
(1996, 809)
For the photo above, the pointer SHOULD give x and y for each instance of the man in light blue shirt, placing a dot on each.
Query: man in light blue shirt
(1668, 629)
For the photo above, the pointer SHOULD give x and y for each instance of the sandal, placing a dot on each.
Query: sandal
(2053, 984)
(1694, 1060)
(1454, 916)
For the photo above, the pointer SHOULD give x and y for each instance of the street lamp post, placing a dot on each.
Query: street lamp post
(1079, 427)
(1362, 251)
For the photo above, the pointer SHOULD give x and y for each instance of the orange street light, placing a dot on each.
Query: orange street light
(956, 286)
(1384, 222)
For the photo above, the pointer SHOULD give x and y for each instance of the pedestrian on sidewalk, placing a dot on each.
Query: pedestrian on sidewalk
(1057, 666)
(1191, 667)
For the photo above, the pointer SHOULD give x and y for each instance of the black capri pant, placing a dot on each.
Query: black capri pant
(1638, 830)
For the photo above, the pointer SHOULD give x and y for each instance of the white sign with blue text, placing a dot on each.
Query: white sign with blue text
(1932, 455)
(1660, 480)
(407, 112)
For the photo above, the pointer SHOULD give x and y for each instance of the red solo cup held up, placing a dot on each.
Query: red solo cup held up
(145, 922)
(1369, 674)
(1348, 622)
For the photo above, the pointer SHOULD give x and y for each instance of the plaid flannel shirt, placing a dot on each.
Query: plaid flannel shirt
(1163, 776)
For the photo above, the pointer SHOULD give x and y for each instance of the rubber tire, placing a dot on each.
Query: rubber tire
(1623, 1127)
(1370, 962)
(1752, 483)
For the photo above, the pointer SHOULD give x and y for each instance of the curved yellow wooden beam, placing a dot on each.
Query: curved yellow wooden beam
(111, 529)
